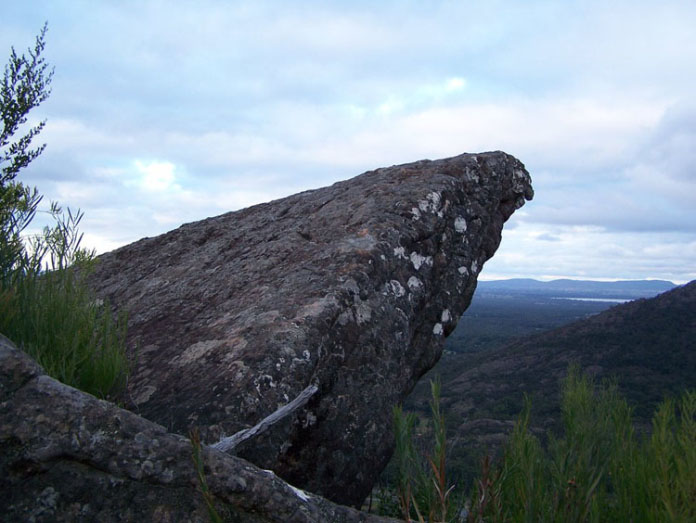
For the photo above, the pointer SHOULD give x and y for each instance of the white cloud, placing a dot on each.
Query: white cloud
(592, 253)
(75, 136)
(157, 176)
(582, 134)
(417, 97)
(455, 84)
(162, 115)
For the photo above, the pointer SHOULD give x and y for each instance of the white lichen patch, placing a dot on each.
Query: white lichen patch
(144, 394)
(418, 260)
(268, 316)
(309, 420)
(239, 368)
(346, 317)
(316, 308)
(460, 225)
(152, 284)
(415, 211)
(435, 199)
(400, 252)
(437, 329)
(351, 286)
(445, 317)
(197, 351)
(265, 380)
(233, 345)
(47, 502)
(414, 283)
(463, 271)
(147, 467)
(363, 242)
(432, 203)
(395, 288)
(363, 313)
(474, 267)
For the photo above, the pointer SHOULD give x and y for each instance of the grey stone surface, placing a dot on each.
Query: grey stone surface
(352, 287)
(67, 456)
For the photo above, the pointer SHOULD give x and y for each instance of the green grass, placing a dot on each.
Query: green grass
(54, 317)
(600, 469)
(51, 313)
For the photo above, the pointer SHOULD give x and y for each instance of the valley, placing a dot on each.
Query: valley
(519, 338)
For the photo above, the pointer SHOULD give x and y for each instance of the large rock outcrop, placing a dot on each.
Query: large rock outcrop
(66, 456)
(351, 288)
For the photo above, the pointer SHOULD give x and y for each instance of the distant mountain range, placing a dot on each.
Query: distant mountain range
(648, 346)
(580, 288)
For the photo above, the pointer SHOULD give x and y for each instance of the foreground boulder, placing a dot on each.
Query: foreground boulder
(66, 456)
(345, 292)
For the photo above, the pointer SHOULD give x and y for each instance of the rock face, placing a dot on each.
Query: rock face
(66, 456)
(351, 288)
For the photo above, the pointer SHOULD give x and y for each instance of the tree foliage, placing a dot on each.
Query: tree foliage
(46, 306)
(25, 85)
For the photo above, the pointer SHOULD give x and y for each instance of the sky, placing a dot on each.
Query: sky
(163, 113)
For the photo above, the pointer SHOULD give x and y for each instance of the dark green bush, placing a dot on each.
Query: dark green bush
(600, 470)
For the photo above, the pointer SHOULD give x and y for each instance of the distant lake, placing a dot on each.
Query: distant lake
(605, 300)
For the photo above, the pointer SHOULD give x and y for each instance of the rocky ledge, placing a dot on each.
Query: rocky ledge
(66, 456)
(340, 297)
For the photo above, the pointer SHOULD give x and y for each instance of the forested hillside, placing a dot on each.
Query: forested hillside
(647, 345)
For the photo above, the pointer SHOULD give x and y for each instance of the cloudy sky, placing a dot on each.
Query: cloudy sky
(169, 112)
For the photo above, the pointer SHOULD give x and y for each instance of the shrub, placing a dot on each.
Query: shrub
(600, 470)
(423, 490)
(54, 317)
(46, 306)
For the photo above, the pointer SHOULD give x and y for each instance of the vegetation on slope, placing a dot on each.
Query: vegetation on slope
(648, 345)
(422, 489)
(45, 304)
(598, 468)
(494, 319)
